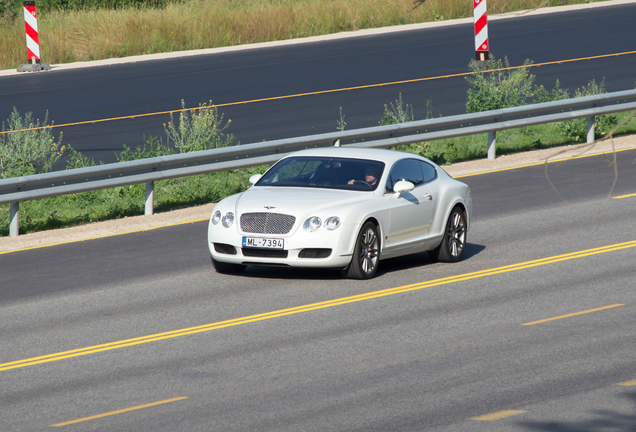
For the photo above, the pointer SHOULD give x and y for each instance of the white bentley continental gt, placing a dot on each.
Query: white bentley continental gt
(341, 208)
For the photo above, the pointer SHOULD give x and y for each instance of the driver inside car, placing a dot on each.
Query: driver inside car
(370, 175)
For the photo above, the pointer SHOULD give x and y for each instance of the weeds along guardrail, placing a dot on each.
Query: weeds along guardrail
(18, 189)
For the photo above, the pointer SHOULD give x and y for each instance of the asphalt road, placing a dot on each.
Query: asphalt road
(404, 351)
(107, 92)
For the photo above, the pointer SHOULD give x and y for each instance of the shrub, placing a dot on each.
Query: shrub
(342, 124)
(76, 159)
(27, 147)
(199, 129)
(153, 147)
(496, 86)
(541, 94)
(398, 113)
(576, 130)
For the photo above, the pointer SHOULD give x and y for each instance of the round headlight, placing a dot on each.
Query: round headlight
(332, 223)
(216, 217)
(228, 219)
(312, 224)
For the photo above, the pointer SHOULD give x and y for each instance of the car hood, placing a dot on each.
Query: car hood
(300, 202)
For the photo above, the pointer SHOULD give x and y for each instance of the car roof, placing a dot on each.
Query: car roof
(386, 156)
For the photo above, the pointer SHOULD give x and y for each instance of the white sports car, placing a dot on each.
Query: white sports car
(341, 208)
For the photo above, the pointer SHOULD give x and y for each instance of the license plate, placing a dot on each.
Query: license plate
(268, 243)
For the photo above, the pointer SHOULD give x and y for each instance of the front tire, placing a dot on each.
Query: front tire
(366, 254)
(222, 267)
(453, 244)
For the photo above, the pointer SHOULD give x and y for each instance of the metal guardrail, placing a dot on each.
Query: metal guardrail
(17, 189)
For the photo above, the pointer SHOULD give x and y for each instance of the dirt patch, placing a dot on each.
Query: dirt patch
(198, 213)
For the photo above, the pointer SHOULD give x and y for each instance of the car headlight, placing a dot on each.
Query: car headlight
(332, 223)
(312, 224)
(216, 217)
(228, 219)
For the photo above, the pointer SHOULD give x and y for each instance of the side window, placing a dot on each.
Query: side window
(406, 169)
(428, 172)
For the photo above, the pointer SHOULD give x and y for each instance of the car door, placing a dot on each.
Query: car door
(431, 181)
(410, 214)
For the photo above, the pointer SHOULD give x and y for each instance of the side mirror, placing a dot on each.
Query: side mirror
(401, 187)
(255, 178)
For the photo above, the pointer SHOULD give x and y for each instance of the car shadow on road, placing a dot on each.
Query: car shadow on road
(599, 420)
(386, 266)
(417, 260)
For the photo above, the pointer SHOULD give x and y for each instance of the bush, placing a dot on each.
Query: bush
(576, 130)
(76, 159)
(27, 147)
(153, 147)
(398, 113)
(496, 86)
(541, 94)
(199, 129)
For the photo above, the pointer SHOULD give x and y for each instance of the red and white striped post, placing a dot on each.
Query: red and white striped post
(481, 30)
(32, 40)
(31, 24)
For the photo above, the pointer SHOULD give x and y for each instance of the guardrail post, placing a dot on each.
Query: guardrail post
(492, 145)
(14, 219)
(590, 129)
(150, 198)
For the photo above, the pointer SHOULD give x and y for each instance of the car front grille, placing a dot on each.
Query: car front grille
(264, 253)
(267, 223)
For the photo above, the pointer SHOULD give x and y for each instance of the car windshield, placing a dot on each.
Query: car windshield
(325, 172)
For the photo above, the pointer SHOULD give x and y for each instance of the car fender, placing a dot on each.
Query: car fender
(358, 216)
(446, 206)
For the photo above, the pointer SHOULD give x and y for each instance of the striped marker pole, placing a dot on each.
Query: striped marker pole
(31, 24)
(481, 30)
(33, 44)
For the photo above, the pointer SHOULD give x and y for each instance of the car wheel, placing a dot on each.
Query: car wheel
(366, 254)
(222, 267)
(453, 244)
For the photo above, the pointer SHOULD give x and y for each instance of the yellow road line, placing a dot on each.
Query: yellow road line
(273, 98)
(497, 415)
(104, 236)
(573, 314)
(118, 411)
(627, 383)
(310, 307)
(625, 196)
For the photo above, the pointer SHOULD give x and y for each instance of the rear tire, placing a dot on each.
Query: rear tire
(453, 244)
(222, 267)
(366, 254)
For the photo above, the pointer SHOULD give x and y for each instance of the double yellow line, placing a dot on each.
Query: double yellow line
(311, 307)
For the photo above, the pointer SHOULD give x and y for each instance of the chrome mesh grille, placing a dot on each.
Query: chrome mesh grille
(267, 223)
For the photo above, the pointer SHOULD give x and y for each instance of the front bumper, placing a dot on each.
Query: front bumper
(320, 249)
